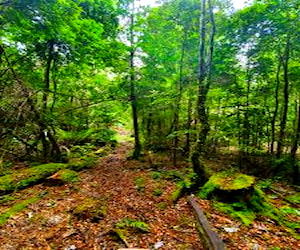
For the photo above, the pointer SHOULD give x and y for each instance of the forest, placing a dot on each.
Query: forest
(132, 126)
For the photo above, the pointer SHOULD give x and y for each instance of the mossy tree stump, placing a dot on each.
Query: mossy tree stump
(229, 187)
(236, 194)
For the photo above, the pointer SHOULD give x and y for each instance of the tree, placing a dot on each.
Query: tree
(204, 81)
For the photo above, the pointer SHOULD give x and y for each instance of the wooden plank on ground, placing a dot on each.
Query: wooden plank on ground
(210, 237)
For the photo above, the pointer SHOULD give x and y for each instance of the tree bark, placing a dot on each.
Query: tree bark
(50, 45)
(178, 99)
(133, 100)
(295, 148)
(188, 126)
(204, 74)
(273, 121)
(285, 63)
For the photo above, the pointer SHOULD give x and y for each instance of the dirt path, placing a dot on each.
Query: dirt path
(129, 190)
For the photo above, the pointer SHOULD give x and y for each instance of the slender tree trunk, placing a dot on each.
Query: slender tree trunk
(285, 62)
(178, 99)
(50, 45)
(54, 84)
(137, 144)
(295, 148)
(149, 127)
(204, 84)
(246, 127)
(188, 126)
(273, 121)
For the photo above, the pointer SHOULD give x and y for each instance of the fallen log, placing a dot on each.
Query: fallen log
(211, 238)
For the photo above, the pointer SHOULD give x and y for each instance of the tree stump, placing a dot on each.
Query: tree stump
(229, 187)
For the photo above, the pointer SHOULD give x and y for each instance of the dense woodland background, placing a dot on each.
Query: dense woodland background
(193, 79)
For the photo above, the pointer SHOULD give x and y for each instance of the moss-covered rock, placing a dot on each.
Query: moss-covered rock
(68, 176)
(91, 209)
(27, 177)
(62, 177)
(78, 164)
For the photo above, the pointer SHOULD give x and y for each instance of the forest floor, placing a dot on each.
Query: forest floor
(129, 190)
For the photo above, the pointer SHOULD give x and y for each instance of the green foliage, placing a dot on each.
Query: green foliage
(131, 224)
(173, 175)
(78, 164)
(67, 176)
(295, 198)
(162, 205)
(290, 210)
(139, 183)
(5, 167)
(6, 198)
(265, 184)
(156, 175)
(96, 137)
(16, 209)
(90, 208)
(237, 210)
(157, 192)
(257, 205)
(178, 192)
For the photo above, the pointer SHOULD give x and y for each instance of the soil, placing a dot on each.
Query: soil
(50, 224)
(129, 190)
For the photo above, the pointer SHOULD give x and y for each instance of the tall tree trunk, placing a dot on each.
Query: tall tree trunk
(203, 88)
(285, 63)
(54, 83)
(295, 148)
(273, 121)
(50, 45)
(246, 125)
(178, 99)
(188, 126)
(137, 144)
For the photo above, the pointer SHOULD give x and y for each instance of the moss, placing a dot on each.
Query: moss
(237, 210)
(16, 209)
(6, 198)
(156, 175)
(92, 209)
(30, 176)
(257, 204)
(139, 183)
(226, 181)
(26, 177)
(67, 176)
(295, 199)
(290, 210)
(78, 164)
(162, 205)
(178, 192)
(157, 192)
(130, 224)
(173, 175)
(207, 189)
(182, 186)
